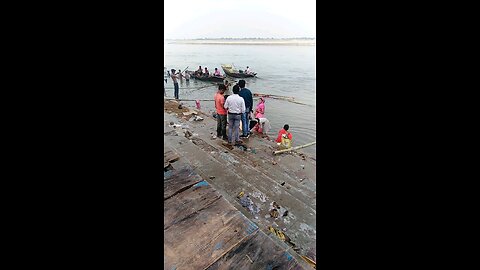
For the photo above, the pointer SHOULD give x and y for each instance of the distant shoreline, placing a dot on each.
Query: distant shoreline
(297, 42)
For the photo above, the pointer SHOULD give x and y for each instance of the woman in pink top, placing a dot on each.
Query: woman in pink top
(260, 111)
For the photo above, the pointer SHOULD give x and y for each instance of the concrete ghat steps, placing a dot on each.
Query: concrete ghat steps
(282, 172)
(254, 169)
(304, 191)
(229, 181)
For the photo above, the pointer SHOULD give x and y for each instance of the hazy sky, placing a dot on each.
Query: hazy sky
(239, 18)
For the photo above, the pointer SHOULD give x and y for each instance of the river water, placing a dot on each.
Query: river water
(281, 69)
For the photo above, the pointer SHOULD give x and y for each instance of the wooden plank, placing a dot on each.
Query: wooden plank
(256, 252)
(170, 156)
(204, 231)
(198, 241)
(177, 181)
(188, 203)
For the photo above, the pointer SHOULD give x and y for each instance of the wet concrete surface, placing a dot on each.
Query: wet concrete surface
(288, 179)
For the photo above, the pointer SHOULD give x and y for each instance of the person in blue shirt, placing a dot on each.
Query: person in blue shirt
(247, 96)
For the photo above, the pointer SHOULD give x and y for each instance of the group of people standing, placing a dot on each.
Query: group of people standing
(236, 110)
(233, 109)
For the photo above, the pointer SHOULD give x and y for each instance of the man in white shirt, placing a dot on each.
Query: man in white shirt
(235, 106)
(175, 83)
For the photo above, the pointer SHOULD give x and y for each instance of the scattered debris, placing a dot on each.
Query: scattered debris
(195, 118)
(281, 235)
(171, 133)
(308, 230)
(274, 213)
(189, 113)
(175, 125)
(259, 195)
(277, 211)
(188, 134)
(275, 205)
(228, 158)
(241, 146)
(282, 211)
(249, 258)
(245, 201)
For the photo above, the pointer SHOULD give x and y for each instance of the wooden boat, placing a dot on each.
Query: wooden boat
(232, 72)
(208, 79)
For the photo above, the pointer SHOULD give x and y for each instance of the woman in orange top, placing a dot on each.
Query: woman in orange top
(282, 131)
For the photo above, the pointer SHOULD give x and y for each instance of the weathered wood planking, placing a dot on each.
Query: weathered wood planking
(256, 252)
(204, 231)
(198, 241)
(170, 156)
(179, 181)
(188, 203)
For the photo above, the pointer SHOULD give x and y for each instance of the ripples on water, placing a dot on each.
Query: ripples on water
(282, 70)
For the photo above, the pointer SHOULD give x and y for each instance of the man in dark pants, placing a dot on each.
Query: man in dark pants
(235, 106)
(221, 112)
(175, 83)
(247, 96)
